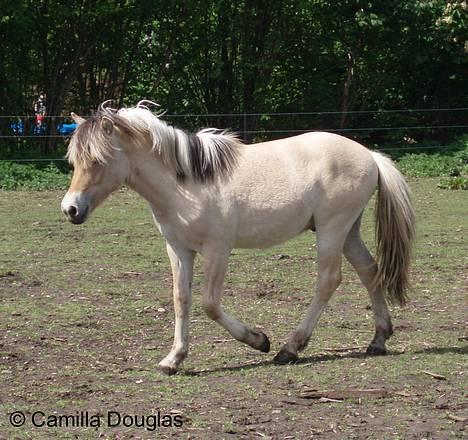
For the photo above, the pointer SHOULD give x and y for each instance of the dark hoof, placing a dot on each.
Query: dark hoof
(375, 350)
(265, 347)
(285, 357)
(170, 371)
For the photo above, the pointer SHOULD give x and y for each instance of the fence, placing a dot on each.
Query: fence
(407, 128)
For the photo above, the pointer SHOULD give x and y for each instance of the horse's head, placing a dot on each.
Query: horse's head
(100, 164)
(103, 154)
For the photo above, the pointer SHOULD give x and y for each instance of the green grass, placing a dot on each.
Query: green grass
(80, 330)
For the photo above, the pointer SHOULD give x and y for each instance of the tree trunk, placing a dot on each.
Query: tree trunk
(346, 89)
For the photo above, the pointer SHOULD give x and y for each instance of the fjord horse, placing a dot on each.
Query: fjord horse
(210, 193)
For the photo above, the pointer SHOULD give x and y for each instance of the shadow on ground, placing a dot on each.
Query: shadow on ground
(303, 361)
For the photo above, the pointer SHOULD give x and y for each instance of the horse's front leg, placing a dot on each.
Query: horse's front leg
(215, 267)
(182, 273)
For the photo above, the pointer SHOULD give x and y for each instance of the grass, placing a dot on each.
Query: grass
(86, 315)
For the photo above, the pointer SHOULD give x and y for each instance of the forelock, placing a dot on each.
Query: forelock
(90, 143)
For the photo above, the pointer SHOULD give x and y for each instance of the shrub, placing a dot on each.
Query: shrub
(431, 165)
(451, 162)
(32, 177)
(458, 182)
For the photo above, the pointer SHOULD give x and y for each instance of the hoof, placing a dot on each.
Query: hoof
(285, 357)
(265, 347)
(166, 369)
(375, 350)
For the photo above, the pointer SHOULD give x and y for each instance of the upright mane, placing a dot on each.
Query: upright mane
(199, 156)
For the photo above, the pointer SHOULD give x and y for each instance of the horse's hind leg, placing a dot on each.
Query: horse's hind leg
(330, 250)
(357, 254)
(215, 266)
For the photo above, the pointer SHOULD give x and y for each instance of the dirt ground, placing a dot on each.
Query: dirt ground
(86, 315)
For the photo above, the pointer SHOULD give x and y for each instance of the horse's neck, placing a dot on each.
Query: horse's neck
(150, 178)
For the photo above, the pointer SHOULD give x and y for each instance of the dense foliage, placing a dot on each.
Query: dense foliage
(29, 176)
(248, 56)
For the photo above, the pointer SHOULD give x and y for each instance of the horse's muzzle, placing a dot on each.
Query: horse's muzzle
(75, 206)
(74, 215)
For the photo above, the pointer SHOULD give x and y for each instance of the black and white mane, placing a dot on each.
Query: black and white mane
(199, 156)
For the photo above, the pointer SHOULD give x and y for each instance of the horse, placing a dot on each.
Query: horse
(210, 193)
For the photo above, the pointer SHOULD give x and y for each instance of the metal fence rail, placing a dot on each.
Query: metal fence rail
(334, 112)
(273, 124)
(384, 150)
(266, 131)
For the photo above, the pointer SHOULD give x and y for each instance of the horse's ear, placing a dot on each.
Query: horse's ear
(107, 125)
(78, 119)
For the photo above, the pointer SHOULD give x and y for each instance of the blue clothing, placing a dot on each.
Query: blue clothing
(17, 128)
(65, 129)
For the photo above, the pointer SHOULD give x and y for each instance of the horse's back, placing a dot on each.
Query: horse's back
(321, 158)
(318, 147)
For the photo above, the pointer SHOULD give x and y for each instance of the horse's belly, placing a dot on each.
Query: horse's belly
(261, 242)
(262, 231)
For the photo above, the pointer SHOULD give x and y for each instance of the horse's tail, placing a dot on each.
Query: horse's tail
(394, 230)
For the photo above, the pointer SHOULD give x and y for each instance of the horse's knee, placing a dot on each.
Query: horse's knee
(182, 307)
(211, 309)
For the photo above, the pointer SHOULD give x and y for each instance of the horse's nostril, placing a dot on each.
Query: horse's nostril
(72, 211)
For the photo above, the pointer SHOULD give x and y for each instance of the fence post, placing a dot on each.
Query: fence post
(244, 128)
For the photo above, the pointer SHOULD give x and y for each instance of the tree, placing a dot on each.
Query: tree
(233, 57)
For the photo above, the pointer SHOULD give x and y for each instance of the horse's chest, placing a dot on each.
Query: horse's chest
(185, 233)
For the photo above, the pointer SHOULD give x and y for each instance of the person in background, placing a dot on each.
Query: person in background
(17, 127)
(40, 111)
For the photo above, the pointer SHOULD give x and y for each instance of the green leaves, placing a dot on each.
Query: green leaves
(31, 177)
(248, 56)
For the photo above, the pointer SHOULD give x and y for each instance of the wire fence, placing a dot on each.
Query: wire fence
(384, 150)
(266, 131)
(334, 112)
(381, 128)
